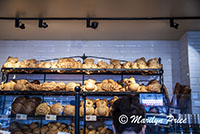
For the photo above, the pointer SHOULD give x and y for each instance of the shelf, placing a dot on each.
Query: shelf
(41, 117)
(81, 71)
(37, 93)
(115, 93)
(73, 93)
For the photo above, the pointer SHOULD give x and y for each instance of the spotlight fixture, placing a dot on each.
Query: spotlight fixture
(42, 24)
(19, 24)
(173, 24)
(93, 25)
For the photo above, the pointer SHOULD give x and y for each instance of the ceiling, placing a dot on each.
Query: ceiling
(107, 30)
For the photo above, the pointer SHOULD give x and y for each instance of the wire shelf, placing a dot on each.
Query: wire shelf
(81, 71)
(71, 93)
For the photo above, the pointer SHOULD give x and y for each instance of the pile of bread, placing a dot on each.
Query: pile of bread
(98, 107)
(55, 109)
(33, 106)
(33, 128)
(13, 62)
(181, 95)
(100, 130)
(128, 84)
(25, 85)
(25, 105)
(90, 85)
(54, 128)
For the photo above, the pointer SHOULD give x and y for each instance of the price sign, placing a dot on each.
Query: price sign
(21, 117)
(51, 117)
(63, 133)
(4, 117)
(151, 99)
(4, 132)
(91, 118)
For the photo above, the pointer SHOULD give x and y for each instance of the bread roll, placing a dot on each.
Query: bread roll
(21, 85)
(69, 110)
(56, 109)
(42, 109)
(34, 125)
(71, 86)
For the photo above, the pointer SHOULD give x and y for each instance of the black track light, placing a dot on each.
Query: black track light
(19, 24)
(93, 25)
(42, 24)
(173, 24)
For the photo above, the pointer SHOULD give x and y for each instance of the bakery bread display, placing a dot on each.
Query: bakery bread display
(99, 130)
(90, 85)
(33, 128)
(55, 109)
(32, 106)
(25, 105)
(13, 62)
(98, 107)
(107, 85)
(25, 85)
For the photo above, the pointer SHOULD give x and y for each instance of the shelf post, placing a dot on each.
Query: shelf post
(77, 101)
(84, 113)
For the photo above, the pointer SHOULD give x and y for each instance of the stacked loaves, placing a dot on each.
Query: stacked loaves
(33, 106)
(98, 107)
(55, 109)
(33, 128)
(25, 105)
(100, 130)
(181, 95)
(128, 85)
(90, 85)
(54, 128)
(13, 62)
(25, 85)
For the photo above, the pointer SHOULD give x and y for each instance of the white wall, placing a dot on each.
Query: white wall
(194, 68)
(184, 63)
(127, 50)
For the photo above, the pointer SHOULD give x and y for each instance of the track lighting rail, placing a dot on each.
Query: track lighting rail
(101, 18)
(95, 24)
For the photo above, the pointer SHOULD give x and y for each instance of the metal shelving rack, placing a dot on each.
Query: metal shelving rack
(7, 71)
